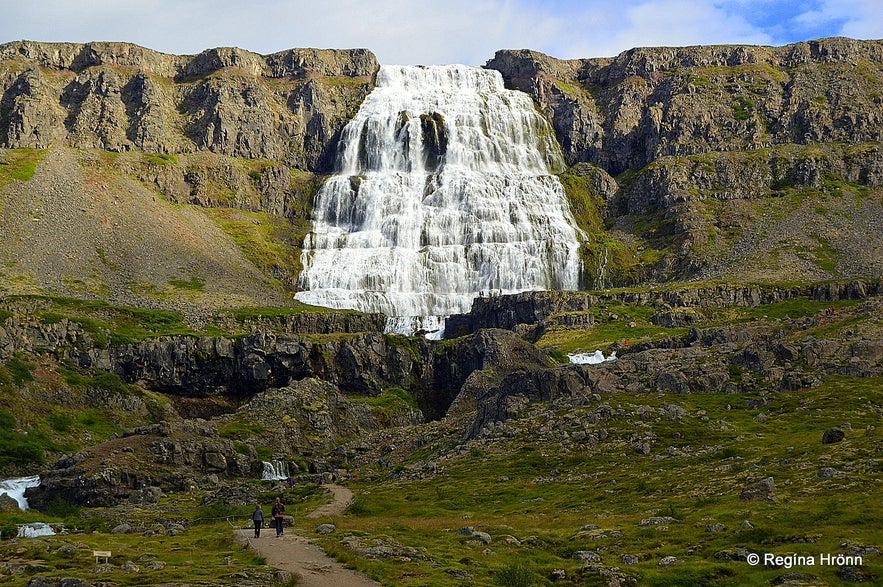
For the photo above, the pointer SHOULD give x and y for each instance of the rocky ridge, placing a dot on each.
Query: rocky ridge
(732, 153)
(474, 384)
(625, 112)
(288, 106)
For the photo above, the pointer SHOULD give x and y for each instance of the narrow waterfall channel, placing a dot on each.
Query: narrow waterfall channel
(444, 190)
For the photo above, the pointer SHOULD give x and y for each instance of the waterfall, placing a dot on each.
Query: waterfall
(443, 190)
(590, 358)
(35, 529)
(274, 471)
(15, 488)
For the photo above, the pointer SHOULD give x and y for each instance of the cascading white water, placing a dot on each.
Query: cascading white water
(274, 471)
(15, 488)
(444, 189)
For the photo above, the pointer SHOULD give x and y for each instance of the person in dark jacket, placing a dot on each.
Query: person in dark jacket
(257, 516)
(278, 513)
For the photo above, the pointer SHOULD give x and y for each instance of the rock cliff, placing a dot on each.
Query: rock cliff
(708, 160)
(646, 103)
(287, 107)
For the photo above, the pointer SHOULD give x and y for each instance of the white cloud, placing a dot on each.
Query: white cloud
(862, 19)
(682, 22)
(427, 31)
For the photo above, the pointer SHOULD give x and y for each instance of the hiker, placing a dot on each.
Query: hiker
(257, 516)
(278, 513)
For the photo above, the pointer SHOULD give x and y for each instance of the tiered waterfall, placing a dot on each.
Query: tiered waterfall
(443, 191)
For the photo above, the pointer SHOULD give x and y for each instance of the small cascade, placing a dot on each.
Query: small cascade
(274, 471)
(15, 488)
(35, 529)
(443, 189)
(591, 358)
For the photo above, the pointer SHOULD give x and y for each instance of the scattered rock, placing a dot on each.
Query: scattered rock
(56, 582)
(657, 521)
(794, 579)
(643, 448)
(326, 528)
(630, 559)
(715, 528)
(459, 574)
(668, 561)
(853, 575)
(833, 435)
(759, 491)
(587, 556)
(8, 503)
(828, 473)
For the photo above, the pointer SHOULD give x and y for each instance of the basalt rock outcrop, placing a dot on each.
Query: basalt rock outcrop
(530, 313)
(624, 112)
(308, 417)
(287, 107)
(348, 351)
(716, 144)
(750, 362)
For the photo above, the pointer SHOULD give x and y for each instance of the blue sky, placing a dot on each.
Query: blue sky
(430, 32)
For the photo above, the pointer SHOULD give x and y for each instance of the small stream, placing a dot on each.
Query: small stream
(15, 488)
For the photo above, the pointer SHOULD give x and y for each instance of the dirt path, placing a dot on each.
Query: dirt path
(294, 553)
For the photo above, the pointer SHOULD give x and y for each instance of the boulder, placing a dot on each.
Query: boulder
(833, 435)
(760, 491)
(8, 503)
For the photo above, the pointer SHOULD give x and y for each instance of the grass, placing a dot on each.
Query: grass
(613, 323)
(270, 242)
(616, 322)
(542, 494)
(107, 323)
(19, 164)
(19, 370)
(391, 400)
(528, 485)
(742, 107)
(205, 554)
(159, 158)
(192, 284)
(22, 447)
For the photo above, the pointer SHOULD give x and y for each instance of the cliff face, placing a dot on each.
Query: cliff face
(96, 132)
(742, 162)
(647, 103)
(288, 106)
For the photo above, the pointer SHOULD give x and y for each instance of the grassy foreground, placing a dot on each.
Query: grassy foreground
(598, 511)
(181, 540)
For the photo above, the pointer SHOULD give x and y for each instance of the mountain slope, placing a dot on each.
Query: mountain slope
(737, 163)
(76, 229)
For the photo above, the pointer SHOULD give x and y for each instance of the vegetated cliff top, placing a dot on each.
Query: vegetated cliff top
(288, 63)
(642, 61)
